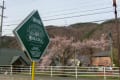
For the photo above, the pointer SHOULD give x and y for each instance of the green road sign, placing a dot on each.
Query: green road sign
(32, 36)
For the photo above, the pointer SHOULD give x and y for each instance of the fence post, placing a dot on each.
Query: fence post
(11, 69)
(76, 72)
(104, 74)
(51, 71)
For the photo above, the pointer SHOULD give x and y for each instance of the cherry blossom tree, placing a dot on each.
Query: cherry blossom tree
(61, 49)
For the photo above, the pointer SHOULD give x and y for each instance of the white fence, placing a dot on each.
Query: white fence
(73, 71)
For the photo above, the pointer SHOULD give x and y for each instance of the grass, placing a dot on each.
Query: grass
(43, 77)
(99, 77)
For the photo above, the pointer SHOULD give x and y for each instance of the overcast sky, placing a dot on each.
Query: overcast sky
(65, 12)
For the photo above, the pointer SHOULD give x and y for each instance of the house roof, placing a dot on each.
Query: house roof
(14, 59)
(9, 56)
(102, 54)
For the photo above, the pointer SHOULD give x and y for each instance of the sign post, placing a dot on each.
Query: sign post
(33, 37)
(33, 70)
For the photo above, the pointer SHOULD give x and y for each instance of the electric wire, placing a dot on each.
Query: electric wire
(79, 11)
(46, 20)
(78, 15)
(84, 22)
(81, 4)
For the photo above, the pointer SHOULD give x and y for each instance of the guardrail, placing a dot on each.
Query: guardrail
(74, 71)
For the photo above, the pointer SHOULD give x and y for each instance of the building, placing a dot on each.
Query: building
(13, 57)
(101, 59)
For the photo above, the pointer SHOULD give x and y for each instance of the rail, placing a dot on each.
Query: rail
(73, 71)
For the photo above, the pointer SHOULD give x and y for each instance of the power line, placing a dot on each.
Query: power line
(10, 24)
(46, 20)
(77, 16)
(85, 22)
(69, 17)
(102, 8)
(81, 4)
(79, 11)
(10, 33)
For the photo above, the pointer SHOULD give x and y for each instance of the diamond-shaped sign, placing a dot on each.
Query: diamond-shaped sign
(32, 36)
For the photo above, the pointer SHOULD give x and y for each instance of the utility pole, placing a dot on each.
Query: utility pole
(118, 33)
(1, 24)
(111, 52)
